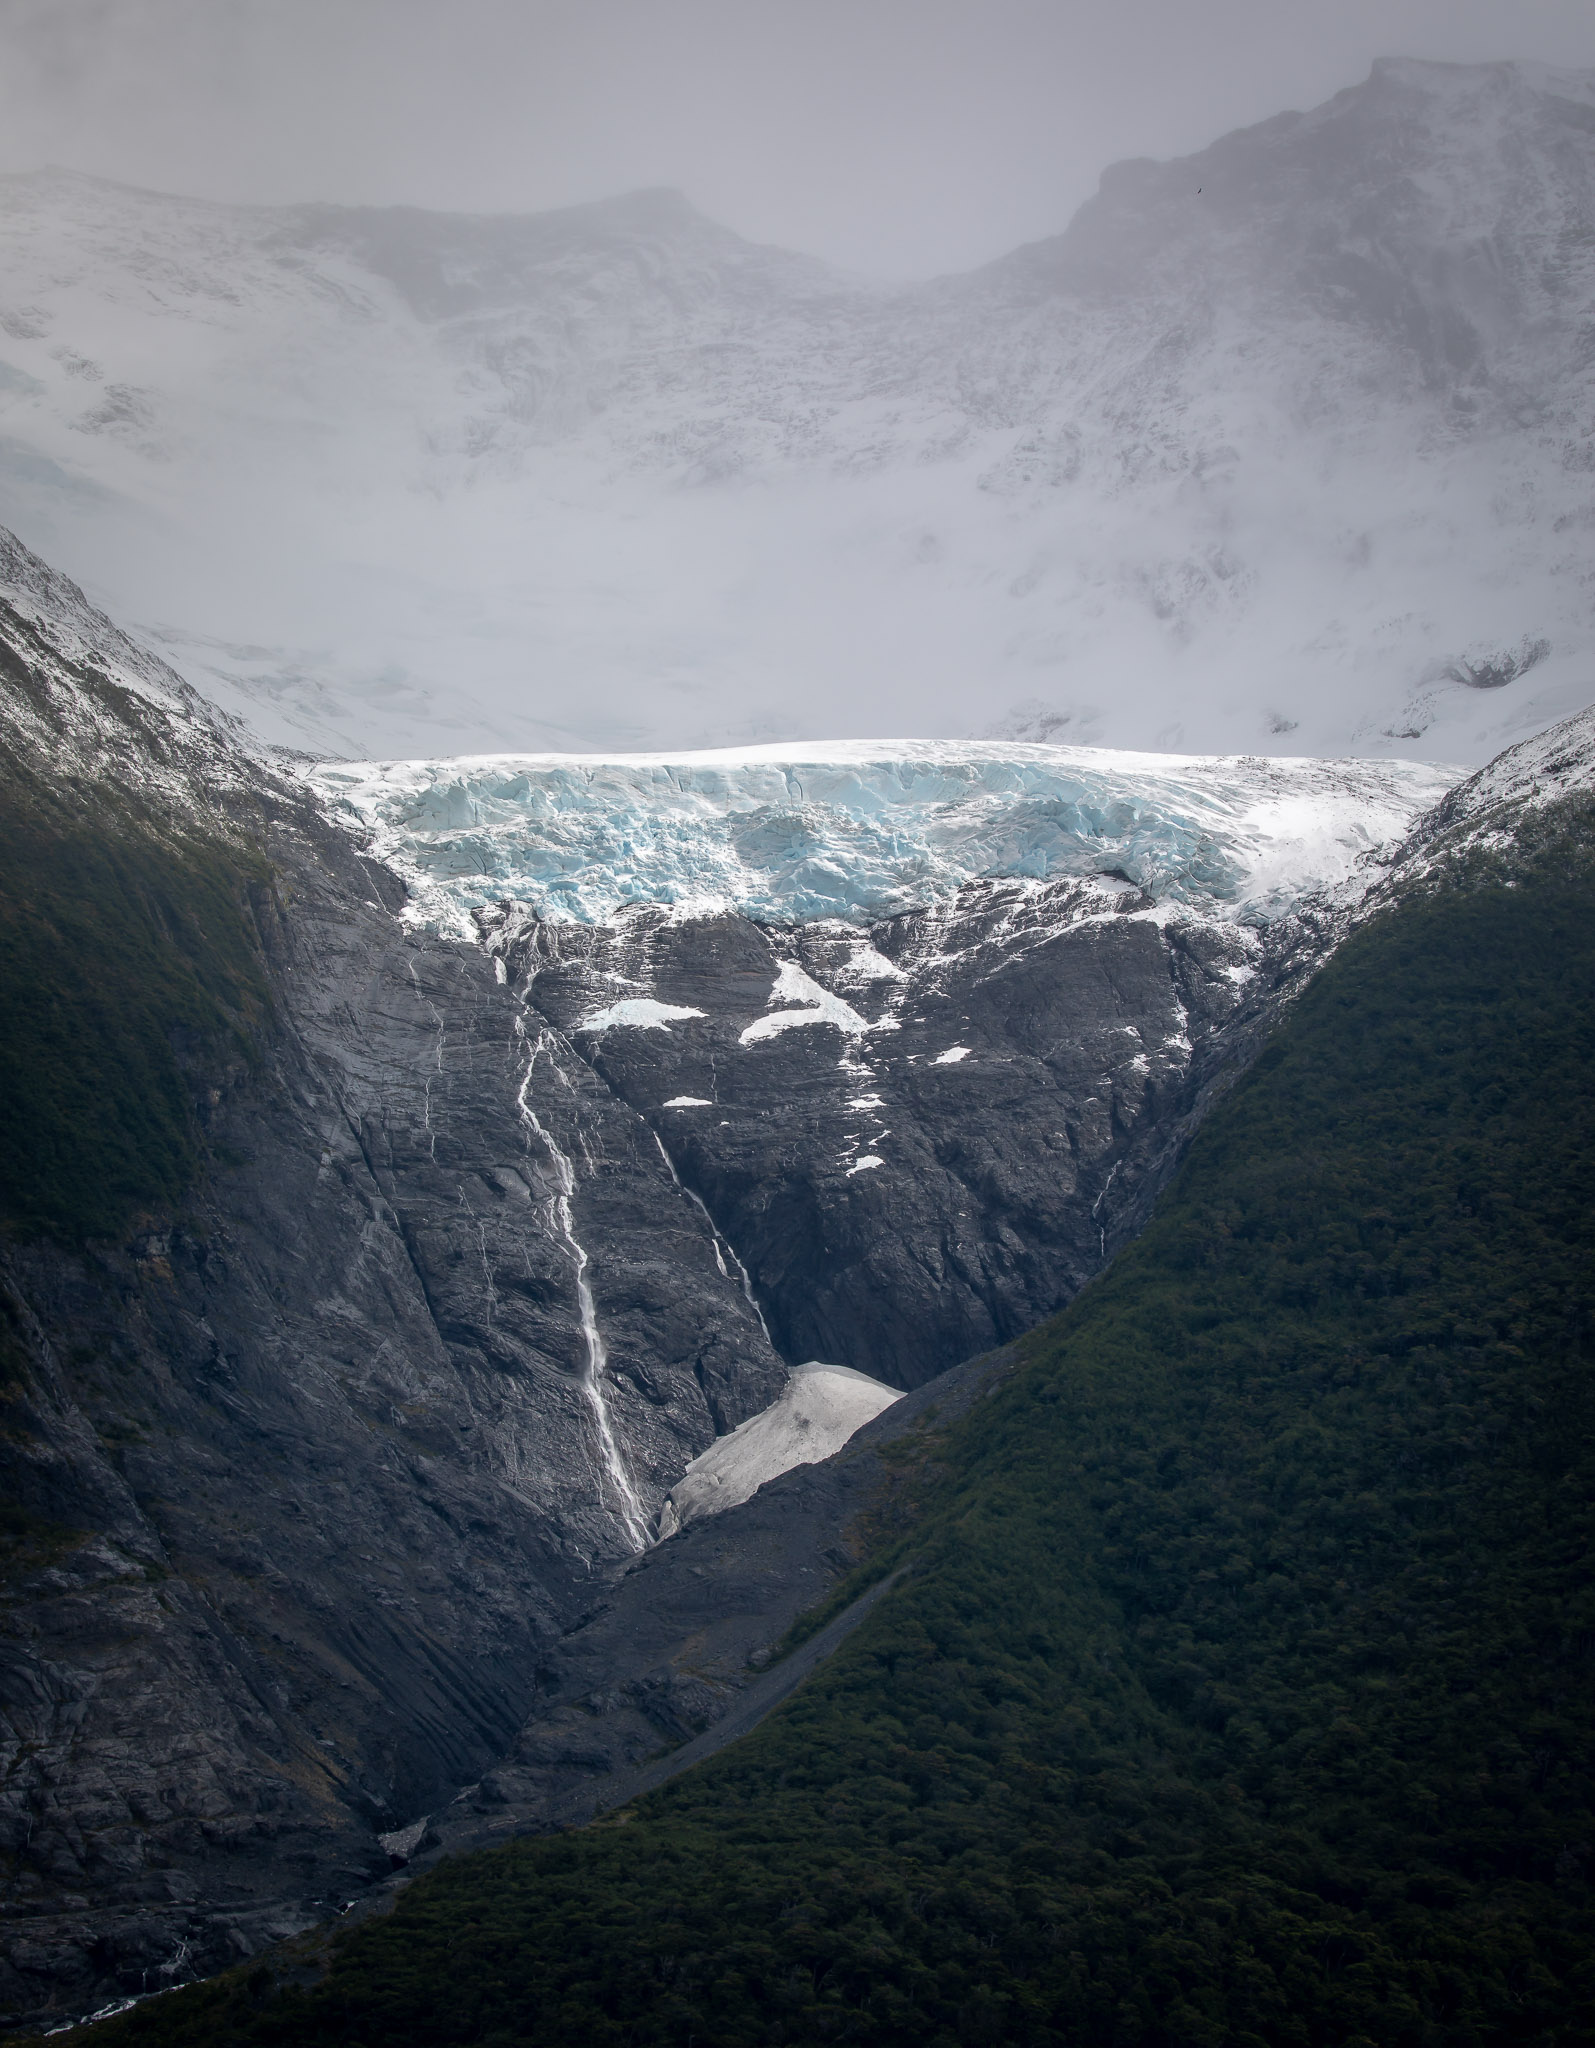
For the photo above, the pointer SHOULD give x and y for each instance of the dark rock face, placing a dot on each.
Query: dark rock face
(677, 1637)
(1023, 1068)
(322, 1475)
(312, 1471)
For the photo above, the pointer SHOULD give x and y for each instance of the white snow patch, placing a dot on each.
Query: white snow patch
(864, 963)
(639, 1013)
(689, 1102)
(867, 1102)
(863, 1165)
(792, 985)
(819, 1410)
(951, 1056)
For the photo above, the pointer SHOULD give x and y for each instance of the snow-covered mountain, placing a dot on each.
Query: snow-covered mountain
(1286, 446)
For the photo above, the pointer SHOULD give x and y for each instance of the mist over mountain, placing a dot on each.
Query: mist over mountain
(1283, 447)
(1062, 1239)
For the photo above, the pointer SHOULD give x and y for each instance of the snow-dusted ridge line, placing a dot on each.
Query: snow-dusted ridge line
(1299, 457)
(859, 830)
(1489, 808)
(1552, 765)
(113, 718)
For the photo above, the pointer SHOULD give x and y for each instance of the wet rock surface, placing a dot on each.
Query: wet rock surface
(324, 1474)
(310, 1472)
(923, 1139)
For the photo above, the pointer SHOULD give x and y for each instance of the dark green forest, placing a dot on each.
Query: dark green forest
(130, 982)
(1241, 1686)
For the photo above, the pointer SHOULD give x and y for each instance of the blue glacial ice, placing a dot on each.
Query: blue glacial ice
(861, 830)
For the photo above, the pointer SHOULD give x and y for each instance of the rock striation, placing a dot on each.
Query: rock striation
(309, 1471)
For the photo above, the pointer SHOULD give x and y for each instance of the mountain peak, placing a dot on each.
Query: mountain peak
(1268, 442)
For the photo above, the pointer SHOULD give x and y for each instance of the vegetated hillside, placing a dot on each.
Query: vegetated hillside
(1240, 1690)
(131, 983)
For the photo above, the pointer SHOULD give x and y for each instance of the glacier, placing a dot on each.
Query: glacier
(860, 830)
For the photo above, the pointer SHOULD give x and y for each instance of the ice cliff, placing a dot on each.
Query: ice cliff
(861, 830)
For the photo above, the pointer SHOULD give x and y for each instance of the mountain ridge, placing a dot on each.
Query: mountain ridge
(718, 482)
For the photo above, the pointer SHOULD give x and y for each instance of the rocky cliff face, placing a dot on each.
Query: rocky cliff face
(922, 1142)
(315, 1459)
(308, 1470)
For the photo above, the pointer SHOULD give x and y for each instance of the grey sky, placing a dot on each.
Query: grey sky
(895, 136)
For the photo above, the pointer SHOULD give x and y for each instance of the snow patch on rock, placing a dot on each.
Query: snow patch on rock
(792, 985)
(637, 1013)
(822, 1406)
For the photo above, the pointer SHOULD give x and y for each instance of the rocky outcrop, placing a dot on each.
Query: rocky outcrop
(306, 1474)
(923, 1138)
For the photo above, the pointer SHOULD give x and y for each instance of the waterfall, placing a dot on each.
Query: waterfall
(426, 1083)
(1096, 1210)
(722, 1245)
(633, 1516)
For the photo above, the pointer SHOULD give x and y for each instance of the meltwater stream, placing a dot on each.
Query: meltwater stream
(723, 1249)
(633, 1516)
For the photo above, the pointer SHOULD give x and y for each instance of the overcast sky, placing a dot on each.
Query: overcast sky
(898, 137)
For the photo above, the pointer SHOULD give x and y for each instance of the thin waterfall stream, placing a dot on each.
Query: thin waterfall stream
(723, 1248)
(633, 1515)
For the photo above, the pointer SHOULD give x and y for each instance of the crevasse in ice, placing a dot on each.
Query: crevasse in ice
(861, 830)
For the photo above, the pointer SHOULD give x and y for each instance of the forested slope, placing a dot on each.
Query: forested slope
(1240, 1687)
